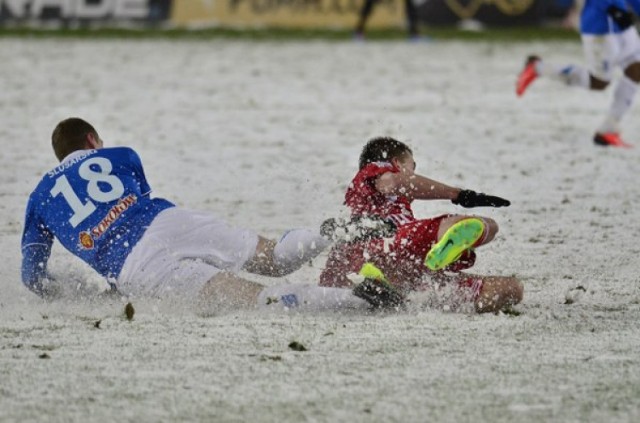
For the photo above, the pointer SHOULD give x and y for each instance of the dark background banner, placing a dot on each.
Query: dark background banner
(84, 11)
(281, 13)
(489, 12)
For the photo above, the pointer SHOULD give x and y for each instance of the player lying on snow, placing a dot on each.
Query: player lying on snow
(411, 249)
(97, 204)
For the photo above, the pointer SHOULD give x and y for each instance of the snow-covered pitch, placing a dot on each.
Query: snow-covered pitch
(267, 135)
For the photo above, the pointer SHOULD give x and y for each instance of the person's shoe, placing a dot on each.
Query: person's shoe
(527, 75)
(378, 293)
(610, 139)
(376, 290)
(456, 240)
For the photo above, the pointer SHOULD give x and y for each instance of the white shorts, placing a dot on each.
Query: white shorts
(606, 52)
(182, 250)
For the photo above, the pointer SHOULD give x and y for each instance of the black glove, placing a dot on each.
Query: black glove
(468, 198)
(623, 18)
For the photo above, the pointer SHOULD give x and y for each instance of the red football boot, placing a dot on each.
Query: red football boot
(610, 139)
(527, 75)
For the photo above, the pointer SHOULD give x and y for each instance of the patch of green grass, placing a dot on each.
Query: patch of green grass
(503, 34)
(511, 34)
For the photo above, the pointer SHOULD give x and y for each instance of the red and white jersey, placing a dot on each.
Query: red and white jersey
(363, 199)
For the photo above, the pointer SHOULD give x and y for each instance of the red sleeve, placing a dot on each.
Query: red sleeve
(362, 197)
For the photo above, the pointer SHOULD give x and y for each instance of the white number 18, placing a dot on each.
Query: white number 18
(82, 211)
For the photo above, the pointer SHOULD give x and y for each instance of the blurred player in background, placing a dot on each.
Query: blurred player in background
(367, 8)
(610, 40)
(383, 190)
(97, 204)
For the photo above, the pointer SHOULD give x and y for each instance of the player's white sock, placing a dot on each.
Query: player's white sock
(297, 247)
(623, 96)
(572, 75)
(309, 297)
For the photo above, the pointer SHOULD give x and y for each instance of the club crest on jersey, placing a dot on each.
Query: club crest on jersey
(87, 238)
(86, 241)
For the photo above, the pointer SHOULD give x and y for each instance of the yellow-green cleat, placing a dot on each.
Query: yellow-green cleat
(371, 271)
(376, 290)
(456, 240)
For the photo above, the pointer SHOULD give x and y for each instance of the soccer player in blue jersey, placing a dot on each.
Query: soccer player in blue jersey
(97, 204)
(610, 40)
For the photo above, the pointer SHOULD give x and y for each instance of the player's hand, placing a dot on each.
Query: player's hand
(623, 18)
(468, 198)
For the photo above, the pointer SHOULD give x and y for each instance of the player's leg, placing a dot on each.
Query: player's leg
(370, 289)
(305, 297)
(487, 293)
(490, 227)
(192, 254)
(627, 56)
(569, 74)
(179, 236)
(456, 235)
(412, 19)
(632, 72)
(199, 235)
(403, 258)
(599, 53)
(226, 292)
(497, 293)
(295, 247)
(365, 12)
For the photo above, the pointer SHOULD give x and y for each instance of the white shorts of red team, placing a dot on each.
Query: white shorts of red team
(605, 53)
(182, 250)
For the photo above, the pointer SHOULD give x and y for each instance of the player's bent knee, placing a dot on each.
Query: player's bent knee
(633, 72)
(490, 230)
(492, 226)
(499, 292)
(598, 84)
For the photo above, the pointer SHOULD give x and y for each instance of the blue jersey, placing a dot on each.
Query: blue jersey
(595, 20)
(97, 204)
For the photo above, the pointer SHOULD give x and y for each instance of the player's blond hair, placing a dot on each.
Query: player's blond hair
(70, 135)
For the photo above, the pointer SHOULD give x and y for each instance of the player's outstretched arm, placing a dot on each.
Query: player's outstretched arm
(36, 242)
(415, 187)
(34, 268)
(418, 187)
